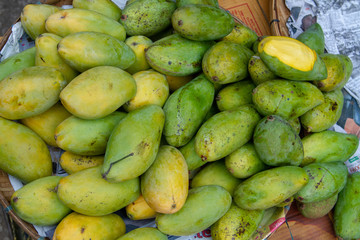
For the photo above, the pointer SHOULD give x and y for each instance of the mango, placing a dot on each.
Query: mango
(295, 124)
(73, 163)
(30, 91)
(105, 7)
(165, 184)
(180, 3)
(286, 202)
(77, 226)
(258, 71)
(133, 144)
(203, 207)
(86, 137)
(193, 160)
(37, 202)
(241, 34)
(138, 44)
(144, 233)
(88, 193)
(270, 187)
(147, 17)
(255, 46)
(139, 210)
(325, 180)
(313, 37)
(177, 82)
(83, 50)
(177, 56)
(202, 22)
(98, 92)
(348, 69)
(225, 132)
(287, 99)
(185, 110)
(317, 209)
(291, 59)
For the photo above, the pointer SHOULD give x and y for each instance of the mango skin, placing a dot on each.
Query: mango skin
(203, 207)
(105, 7)
(138, 44)
(78, 226)
(193, 160)
(133, 144)
(288, 99)
(180, 3)
(313, 37)
(139, 210)
(317, 209)
(258, 71)
(242, 35)
(145, 233)
(83, 50)
(37, 202)
(185, 110)
(86, 192)
(270, 187)
(73, 163)
(224, 132)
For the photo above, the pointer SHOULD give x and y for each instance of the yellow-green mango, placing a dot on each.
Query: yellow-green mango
(226, 62)
(177, 56)
(133, 144)
(17, 62)
(33, 17)
(44, 124)
(73, 20)
(165, 184)
(234, 95)
(242, 35)
(185, 110)
(193, 160)
(98, 92)
(30, 91)
(147, 17)
(73, 163)
(84, 136)
(317, 209)
(144, 233)
(85, 50)
(237, 223)
(88, 193)
(138, 44)
(176, 82)
(258, 71)
(348, 69)
(296, 124)
(270, 187)
(37, 202)
(180, 3)
(202, 22)
(77, 226)
(47, 55)
(105, 7)
(291, 59)
(244, 161)
(313, 37)
(215, 173)
(139, 210)
(328, 146)
(203, 207)
(287, 99)
(225, 132)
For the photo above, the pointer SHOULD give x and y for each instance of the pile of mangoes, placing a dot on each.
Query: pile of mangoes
(141, 100)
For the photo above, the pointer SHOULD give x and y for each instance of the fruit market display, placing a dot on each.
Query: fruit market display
(175, 112)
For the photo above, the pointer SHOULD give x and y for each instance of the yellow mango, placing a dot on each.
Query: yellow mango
(176, 82)
(138, 44)
(106, 7)
(73, 163)
(139, 210)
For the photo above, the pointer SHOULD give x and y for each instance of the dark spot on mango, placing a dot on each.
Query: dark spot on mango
(64, 15)
(134, 43)
(123, 17)
(42, 59)
(92, 143)
(215, 78)
(218, 98)
(169, 62)
(15, 199)
(203, 158)
(82, 230)
(180, 22)
(173, 206)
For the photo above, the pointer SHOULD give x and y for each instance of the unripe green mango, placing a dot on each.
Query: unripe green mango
(203, 207)
(185, 110)
(37, 202)
(133, 144)
(85, 50)
(30, 91)
(144, 233)
(86, 137)
(288, 99)
(328, 146)
(180, 3)
(242, 35)
(177, 56)
(138, 44)
(347, 209)
(317, 209)
(237, 223)
(88, 193)
(73, 20)
(270, 187)
(193, 160)
(313, 37)
(202, 22)
(147, 17)
(295, 123)
(258, 71)
(225, 132)
(105, 7)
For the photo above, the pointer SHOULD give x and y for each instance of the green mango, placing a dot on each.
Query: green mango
(202, 22)
(105, 7)
(144, 233)
(180, 3)
(328, 146)
(258, 71)
(325, 179)
(270, 187)
(133, 144)
(347, 209)
(185, 110)
(225, 132)
(317, 209)
(277, 143)
(313, 37)
(291, 59)
(203, 207)
(348, 69)
(37, 202)
(287, 99)
(226, 62)
(85, 50)
(88, 193)
(237, 223)
(17, 62)
(242, 35)
(295, 123)
(177, 56)
(147, 17)
(193, 160)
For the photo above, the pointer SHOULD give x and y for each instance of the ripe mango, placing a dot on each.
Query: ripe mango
(317, 209)
(139, 210)
(144, 233)
(138, 44)
(105, 7)
(177, 82)
(258, 71)
(73, 163)
(241, 34)
(193, 160)
(313, 37)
